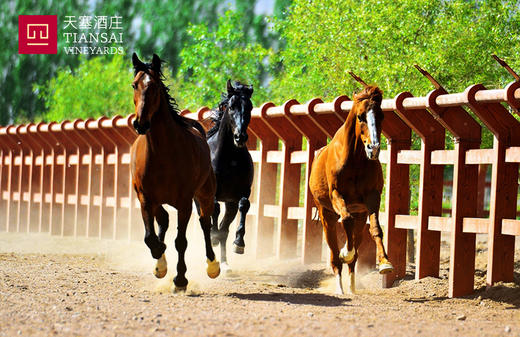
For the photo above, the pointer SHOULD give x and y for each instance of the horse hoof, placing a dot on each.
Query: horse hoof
(213, 269)
(179, 290)
(347, 256)
(224, 267)
(161, 268)
(237, 249)
(385, 268)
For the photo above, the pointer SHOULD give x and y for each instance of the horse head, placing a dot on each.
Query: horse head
(237, 106)
(369, 117)
(147, 91)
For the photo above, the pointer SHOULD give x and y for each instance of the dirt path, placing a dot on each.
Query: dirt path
(107, 289)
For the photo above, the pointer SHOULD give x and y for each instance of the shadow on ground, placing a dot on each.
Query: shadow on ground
(308, 299)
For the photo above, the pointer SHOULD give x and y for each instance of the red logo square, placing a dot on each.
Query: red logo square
(37, 34)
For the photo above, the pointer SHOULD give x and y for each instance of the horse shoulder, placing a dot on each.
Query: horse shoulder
(318, 182)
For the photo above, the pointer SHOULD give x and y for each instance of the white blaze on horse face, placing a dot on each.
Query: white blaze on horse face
(146, 79)
(372, 148)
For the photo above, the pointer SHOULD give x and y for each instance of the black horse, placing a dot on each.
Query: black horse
(232, 163)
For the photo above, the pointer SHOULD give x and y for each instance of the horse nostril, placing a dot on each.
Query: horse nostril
(240, 139)
(135, 124)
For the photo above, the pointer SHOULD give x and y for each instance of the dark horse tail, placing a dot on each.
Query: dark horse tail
(196, 125)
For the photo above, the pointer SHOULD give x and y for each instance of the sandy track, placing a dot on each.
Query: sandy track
(107, 289)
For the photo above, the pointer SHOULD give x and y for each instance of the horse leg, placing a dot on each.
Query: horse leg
(348, 252)
(214, 224)
(239, 244)
(229, 216)
(157, 247)
(329, 220)
(339, 205)
(181, 244)
(213, 269)
(354, 231)
(372, 201)
(161, 216)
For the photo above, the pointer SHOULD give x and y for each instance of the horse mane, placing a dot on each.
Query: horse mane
(370, 91)
(172, 103)
(216, 117)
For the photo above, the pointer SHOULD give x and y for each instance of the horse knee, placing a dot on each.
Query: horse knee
(181, 243)
(243, 205)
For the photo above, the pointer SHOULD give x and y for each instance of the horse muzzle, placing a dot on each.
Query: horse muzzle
(372, 151)
(141, 129)
(240, 139)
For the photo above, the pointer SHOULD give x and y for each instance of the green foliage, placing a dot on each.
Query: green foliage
(19, 72)
(214, 56)
(158, 26)
(99, 86)
(164, 23)
(381, 40)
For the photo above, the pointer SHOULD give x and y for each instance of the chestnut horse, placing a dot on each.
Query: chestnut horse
(346, 182)
(170, 163)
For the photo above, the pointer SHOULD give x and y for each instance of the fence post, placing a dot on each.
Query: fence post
(34, 176)
(397, 194)
(430, 185)
(12, 176)
(504, 176)
(128, 198)
(266, 192)
(287, 234)
(312, 233)
(464, 203)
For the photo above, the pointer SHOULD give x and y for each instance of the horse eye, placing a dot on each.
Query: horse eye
(362, 118)
(134, 86)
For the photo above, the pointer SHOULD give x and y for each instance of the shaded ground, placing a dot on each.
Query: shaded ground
(91, 288)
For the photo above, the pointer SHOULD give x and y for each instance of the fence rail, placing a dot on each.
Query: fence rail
(73, 178)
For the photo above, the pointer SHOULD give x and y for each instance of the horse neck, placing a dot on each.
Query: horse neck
(163, 129)
(224, 136)
(352, 144)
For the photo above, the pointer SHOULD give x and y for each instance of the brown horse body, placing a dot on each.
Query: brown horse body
(346, 182)
(170, 164)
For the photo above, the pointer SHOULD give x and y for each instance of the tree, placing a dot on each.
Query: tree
(214, 56)
(100, 86)
(381, 40)
(18, 72)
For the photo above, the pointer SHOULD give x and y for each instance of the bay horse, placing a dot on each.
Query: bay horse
(170, 164)
(232, 164)
(346, 183)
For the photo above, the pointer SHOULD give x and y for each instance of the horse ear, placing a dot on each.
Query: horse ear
(230, 88)
(137, 62)
(250, 90)
(156, 63)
